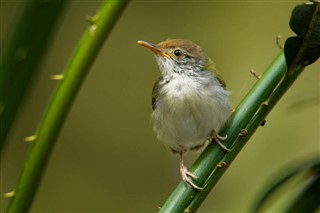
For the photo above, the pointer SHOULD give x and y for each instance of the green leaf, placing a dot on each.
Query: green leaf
(301, 17)
(305, 48)
(307, 199)
(291, 49)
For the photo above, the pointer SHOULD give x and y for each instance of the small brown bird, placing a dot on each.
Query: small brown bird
(190, 102)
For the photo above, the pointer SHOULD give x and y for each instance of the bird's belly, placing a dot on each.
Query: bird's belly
(185, 121)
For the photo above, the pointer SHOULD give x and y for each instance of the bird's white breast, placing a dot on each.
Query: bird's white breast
(187, 109)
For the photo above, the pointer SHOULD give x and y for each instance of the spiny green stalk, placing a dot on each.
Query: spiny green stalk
(23, 51)
(71, 80)
(251, 112)
(246, 134)
(213, 157)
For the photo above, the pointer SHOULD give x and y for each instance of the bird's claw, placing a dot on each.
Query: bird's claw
(186, 177)
(218, 138)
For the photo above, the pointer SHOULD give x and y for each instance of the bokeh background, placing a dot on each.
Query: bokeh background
(107, 158)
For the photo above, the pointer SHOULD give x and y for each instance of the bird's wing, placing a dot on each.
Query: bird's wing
(155, 93)
(212, 68)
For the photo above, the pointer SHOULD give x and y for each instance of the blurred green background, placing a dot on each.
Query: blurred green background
(107, 158)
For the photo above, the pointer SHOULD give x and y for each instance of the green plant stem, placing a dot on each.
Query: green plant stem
(244, 123)
(23, 51)
(185, 198)
(90, 44)
(248, 116)
(249, 130)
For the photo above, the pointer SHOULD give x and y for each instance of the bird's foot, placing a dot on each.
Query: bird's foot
(187, 175)
(217, 138)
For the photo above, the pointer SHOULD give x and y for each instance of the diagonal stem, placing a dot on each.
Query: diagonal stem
(184, 198)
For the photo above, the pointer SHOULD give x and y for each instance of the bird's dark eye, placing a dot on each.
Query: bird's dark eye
(177, 52)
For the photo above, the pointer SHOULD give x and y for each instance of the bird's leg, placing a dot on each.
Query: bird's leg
(186, 175)
(217, 138)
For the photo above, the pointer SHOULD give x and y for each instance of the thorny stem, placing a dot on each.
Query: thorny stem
(60, 104)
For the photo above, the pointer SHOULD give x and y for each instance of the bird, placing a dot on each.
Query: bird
(190, 102)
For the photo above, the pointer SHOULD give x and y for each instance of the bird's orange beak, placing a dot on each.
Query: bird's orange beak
(153, 48)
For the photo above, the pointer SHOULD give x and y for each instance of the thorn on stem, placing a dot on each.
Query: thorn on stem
(253, 72)
(92, 29)
(278, 38)
(265, 104)
(243, 133)
(9, 194)
(57, 77)
(263, 122)
(90, 19)
(222, 165)
(31, 138)
(92, 22)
